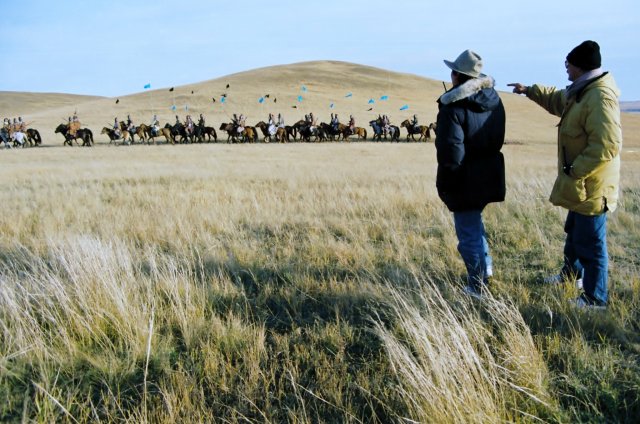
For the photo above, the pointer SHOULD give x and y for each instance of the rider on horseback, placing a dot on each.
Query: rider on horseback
(241, 123)
(385, 124)
(130, 127)
(155, 125)
(201, 121)
(352, 124)
(74, 124)
(116, 127)
(4, 133)
(414, 123)
(271, 124)
(280, 121)
(313, 122)
(188, 125)
(335, 122)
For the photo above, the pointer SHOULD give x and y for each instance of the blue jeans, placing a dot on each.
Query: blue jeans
(473, 246)
(585, 253)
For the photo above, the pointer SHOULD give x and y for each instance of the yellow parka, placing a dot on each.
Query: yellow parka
(589, 142)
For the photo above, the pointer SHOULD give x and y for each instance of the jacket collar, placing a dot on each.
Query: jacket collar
(467, 89)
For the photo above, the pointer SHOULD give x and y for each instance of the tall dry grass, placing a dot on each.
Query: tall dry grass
(302, 283)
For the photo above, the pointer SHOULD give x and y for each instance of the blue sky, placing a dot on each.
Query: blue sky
(115, 47)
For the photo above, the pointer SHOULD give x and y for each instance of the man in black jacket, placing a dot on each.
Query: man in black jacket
(469, 136)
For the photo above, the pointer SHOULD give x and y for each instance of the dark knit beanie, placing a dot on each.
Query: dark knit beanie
(586, 56)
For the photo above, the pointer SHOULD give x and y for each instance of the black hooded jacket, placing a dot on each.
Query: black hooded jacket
(469, 135)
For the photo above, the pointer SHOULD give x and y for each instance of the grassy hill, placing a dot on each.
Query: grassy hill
(307, 282)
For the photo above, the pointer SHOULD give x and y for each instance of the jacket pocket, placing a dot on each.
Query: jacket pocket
(568, 190)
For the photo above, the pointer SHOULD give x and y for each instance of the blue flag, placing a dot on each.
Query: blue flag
(349, 94)
(261, 99)
(371, 101)
(385, 97)
(331, 106)
(299, 98)
(304, 89)
(405, 107)
(173, 107)
(186, 107)
(147, 86)
(222, 99)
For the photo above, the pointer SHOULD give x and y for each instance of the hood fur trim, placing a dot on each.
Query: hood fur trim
(467, 89)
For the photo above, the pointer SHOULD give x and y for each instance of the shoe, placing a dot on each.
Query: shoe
(472, 291)
(559, 279)
(584, 301)
(553, 279)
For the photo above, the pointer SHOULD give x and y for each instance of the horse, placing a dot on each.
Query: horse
(33, 137)
(113, 136)
(139, 131)
(297, 127)
(162, 132)
(377, 130)
(330, 131)
(291, 132)
(380, 131)
(231, 131)
(250, 134)
(264, 127)
(307, 131)
(84, 134)
(210, 132)
(18, 137)
(4, 137)
(281, 135)
(423, 130)
(147, 135)
(179, 130)
(394, 132)
(358, 131)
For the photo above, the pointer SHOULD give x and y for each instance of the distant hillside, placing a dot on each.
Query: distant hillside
(14, 103)
(630, 106)
(321, 87)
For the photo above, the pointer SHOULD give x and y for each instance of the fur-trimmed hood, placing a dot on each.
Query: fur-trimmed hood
(474, 90)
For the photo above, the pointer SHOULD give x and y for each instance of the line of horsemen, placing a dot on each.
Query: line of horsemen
(15, 133)
(274, 129)
(308, 129)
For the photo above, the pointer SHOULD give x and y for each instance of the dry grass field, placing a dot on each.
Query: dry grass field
(301, 282)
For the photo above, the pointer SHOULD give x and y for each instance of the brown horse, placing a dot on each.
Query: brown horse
(281, 135)
(232, 132)
(423, 130)
(162, 132)
(250, 134)
(136, 131)
(113, 136)
(345, 130)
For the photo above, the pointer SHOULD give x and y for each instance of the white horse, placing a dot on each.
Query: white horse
(18, 137)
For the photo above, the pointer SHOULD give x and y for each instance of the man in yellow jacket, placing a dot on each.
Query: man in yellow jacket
(589, 143)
